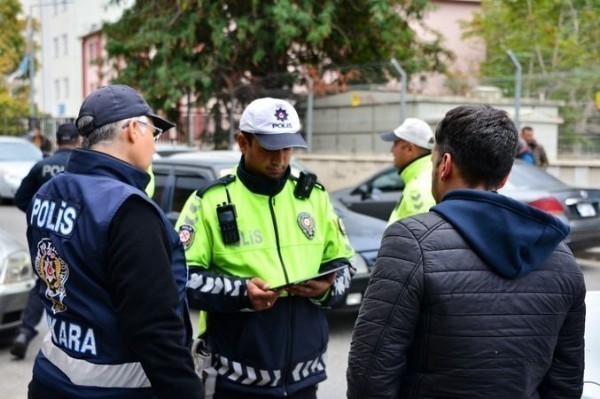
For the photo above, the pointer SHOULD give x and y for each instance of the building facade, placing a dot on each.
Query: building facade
(58, 80)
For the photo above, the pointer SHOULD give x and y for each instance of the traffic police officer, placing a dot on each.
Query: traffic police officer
(248, 236)
(112, 267)
(411, 148)
(67, 138)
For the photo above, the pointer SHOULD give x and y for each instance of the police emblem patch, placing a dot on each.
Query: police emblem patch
(53, 270)
(186, 235)
(307, 224)
(281, 114)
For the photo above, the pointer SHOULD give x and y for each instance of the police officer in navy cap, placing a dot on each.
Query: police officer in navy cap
(112, 268)
(67, 138)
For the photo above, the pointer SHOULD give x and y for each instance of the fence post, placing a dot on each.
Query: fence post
(517, 65)
(309, 113)
(399, 69)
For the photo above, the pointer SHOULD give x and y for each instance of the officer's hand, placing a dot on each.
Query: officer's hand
(260, 296)
(313, 288)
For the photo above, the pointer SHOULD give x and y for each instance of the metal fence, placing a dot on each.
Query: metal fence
(213, 125)
(575, 91)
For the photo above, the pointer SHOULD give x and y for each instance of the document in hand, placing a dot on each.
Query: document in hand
(317, 276)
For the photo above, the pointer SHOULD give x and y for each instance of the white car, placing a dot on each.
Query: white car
(17, 156)
(16, 280)
(591, 378)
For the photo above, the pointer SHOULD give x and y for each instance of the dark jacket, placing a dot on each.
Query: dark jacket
(39, 174)
(478, 298)
(113, 278)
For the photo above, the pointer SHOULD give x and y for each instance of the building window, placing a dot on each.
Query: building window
(55, 40)
(66, 87)
(65, 44)
(57, 89)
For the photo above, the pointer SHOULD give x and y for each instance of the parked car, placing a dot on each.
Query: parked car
(16, 280)
(577, 207)
(166, 150)
(177, 176)
(17, 157)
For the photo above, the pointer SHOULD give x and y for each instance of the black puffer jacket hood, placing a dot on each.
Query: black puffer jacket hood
(483, 219)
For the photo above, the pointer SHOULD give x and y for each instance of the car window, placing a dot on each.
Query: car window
(19, 152)
(530, 177)
(174, 186)
(184, 186)
(387, 182)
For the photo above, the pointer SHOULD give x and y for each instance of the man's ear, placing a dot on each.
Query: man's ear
(132, 131)
(446, 167)
(242, 141)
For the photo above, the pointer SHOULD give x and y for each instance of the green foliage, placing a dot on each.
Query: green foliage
(13, 96)
(546, 35)
(557, 43)
(228, 52)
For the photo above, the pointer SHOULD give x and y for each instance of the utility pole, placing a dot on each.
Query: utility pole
(30, 53)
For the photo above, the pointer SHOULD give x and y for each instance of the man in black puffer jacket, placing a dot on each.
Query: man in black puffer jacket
(480, 297)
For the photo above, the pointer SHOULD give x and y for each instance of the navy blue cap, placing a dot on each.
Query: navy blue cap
(67, 133)
(114, 103)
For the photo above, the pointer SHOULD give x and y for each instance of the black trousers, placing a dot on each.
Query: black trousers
(309, 393)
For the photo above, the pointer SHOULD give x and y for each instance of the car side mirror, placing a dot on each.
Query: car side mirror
(363, 191)
(375, 194)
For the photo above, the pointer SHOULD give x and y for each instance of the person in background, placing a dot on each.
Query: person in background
(112, 268)
(478, 298)
(249, 237)
(40, 141)
(538, 151)
(524, 152)
(67, 139)
(411, 148)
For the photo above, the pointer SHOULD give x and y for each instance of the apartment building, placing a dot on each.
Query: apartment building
(58, 81)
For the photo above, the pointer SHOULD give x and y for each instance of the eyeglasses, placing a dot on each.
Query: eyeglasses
(156, 132)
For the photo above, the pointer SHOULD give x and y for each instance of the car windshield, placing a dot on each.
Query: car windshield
(19, 152)
(530, 177)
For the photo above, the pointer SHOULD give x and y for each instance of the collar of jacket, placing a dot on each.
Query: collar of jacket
(260, 184)
(90, 162)
(414, 168)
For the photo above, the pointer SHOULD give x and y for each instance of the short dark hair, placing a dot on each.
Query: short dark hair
(482, 140)
(524, 128)
(249, 137)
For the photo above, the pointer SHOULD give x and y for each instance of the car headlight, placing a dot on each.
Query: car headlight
(360, 264)
(10, 177)
(16, 268)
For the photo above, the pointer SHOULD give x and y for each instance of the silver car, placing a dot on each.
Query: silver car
(17, 156)
(16, 280)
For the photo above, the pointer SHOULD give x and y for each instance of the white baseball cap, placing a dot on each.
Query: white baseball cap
(413, 130)
(274, 123)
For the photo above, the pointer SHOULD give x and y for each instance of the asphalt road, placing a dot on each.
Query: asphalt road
(15, 374)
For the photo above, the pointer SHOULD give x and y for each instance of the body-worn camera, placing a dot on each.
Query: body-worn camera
(229, 230)
(305, 184)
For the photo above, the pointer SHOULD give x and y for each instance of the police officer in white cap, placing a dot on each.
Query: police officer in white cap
(412, 144)
(255, 243)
